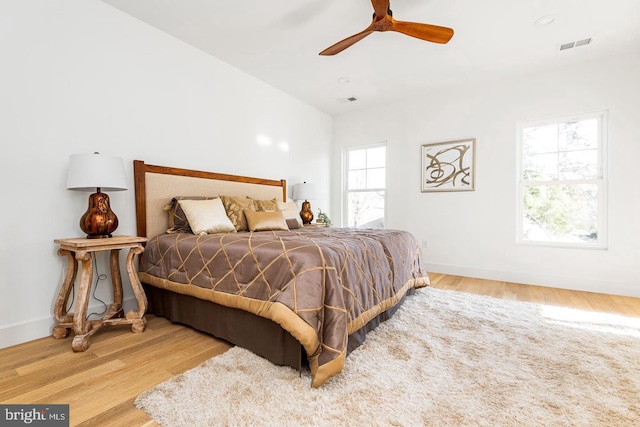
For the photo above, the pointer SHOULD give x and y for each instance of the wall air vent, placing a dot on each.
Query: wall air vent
(577, 43)
(347, 100)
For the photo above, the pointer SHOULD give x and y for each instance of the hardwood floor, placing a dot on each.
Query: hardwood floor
(101, 384)
(539, 294)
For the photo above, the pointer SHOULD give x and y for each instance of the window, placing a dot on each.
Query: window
(562, 181)
(365, 181)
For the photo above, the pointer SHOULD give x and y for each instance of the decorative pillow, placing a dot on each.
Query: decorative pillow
(206, 216)
(289, 211)
(177, 219)
(264, 221)
(235, 207)
(265, 205)
(292, 223)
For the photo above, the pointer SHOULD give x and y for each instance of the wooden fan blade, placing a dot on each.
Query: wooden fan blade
(343, 44)
(430, 33)
(380, 7)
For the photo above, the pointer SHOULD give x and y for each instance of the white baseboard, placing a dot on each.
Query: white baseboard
(11, 335)
(19, 333)
(540, 279)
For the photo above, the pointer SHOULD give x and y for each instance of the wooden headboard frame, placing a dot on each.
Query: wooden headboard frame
(155, 186)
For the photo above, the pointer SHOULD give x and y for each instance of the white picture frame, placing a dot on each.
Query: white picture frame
(448, 166)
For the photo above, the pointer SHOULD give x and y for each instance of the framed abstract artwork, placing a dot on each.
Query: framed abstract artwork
(448, 166)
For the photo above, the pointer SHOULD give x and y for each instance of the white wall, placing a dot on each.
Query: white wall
(473, 233)
(80, 76)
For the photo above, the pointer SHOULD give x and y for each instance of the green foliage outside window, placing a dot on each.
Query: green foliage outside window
(562, 181)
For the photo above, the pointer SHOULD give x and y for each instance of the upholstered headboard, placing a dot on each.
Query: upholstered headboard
(155, 186)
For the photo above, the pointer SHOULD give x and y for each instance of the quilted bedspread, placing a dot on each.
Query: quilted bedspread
(320, 284)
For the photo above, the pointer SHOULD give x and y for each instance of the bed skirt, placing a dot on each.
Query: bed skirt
(257, 334)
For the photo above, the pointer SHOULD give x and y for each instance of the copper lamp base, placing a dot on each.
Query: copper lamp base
(99, 221)
(305, 213)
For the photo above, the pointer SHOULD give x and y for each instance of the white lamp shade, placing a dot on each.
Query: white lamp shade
(304, 191)
(90, 171)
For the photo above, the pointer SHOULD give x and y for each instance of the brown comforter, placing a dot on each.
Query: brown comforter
(320, 284)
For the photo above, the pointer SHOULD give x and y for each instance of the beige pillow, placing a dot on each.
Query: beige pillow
(264, 221)
(264, 205)
(235, 207)
(177, 219)
(289, 210)
(206, 216)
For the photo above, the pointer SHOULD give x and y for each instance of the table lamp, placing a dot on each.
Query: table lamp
(89, 172)
(304, 192)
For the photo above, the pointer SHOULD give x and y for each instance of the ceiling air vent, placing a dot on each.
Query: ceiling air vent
(348, 99)
(583, 42)
(571, 45)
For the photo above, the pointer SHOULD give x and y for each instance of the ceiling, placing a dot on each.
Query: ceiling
(278, 42)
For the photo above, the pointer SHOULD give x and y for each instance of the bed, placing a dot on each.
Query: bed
(290, 293)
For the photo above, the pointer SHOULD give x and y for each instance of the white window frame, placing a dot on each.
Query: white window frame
(601, 181)
(345, 179)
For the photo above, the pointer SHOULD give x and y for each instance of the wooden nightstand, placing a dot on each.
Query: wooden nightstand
(80, 250)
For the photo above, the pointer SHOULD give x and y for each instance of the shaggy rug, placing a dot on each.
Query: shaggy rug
(445, 359)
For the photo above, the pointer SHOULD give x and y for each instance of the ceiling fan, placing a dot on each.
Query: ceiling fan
(383, 21)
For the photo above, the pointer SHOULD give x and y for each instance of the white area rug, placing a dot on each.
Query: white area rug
(445, 359)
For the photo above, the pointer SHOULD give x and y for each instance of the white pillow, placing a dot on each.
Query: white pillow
(289, 210)
(206, 216)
